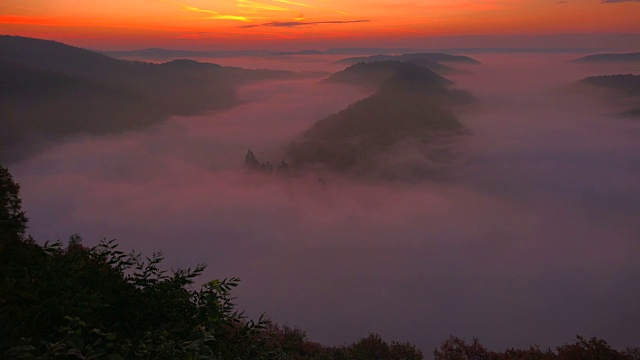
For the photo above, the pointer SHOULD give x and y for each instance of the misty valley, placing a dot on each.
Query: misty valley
(368, 202)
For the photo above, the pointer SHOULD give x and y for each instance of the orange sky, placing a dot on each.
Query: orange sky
(267, 23)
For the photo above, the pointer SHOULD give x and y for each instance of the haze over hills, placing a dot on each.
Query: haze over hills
(600, 58)
(50, 89)
(452, 175)
(404, 130)
(170, 54)
(536, 159)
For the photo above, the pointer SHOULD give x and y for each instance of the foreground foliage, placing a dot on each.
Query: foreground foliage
(69, 301)
(456, 348)
(78, 302)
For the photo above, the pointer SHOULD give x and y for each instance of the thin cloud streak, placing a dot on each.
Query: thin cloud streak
(310, 6)
(303, 23)
(214, 14)
(254, 7)
(260, 6)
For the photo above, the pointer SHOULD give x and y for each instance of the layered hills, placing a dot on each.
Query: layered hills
(49, 89)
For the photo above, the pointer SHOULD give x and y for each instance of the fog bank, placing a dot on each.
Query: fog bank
(533, 240)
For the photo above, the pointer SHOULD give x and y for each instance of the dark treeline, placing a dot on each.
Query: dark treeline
(70, 301)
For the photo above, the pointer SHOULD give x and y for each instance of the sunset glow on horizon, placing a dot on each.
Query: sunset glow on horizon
(249, 23)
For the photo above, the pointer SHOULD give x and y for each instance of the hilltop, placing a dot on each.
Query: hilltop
(410, 111)
(375, 73)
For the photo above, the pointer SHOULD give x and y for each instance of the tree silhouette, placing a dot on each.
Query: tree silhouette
(251, 161)
(12, 219)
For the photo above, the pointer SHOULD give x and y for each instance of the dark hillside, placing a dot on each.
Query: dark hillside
(410, 106)
(57, 57)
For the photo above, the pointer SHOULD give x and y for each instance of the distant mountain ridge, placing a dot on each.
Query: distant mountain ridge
(598, 58)
(435, 57)
(170, 54)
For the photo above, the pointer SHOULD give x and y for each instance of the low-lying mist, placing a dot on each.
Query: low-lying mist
(533, 239)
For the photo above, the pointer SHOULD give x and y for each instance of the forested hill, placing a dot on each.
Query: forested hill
(49, 89)
(411, 106)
